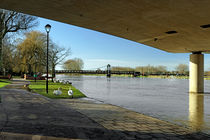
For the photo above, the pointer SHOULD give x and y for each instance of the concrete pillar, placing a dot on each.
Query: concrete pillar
(196, 72)
(196, 111)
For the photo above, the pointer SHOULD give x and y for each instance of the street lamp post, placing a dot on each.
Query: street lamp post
(47, 28)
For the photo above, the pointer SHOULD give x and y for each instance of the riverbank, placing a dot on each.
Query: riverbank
(25, 115)
(130, 124)
(4, 82)
(147, 76)
(128, 75)
(165, 77)
(171, 77)
(40, 87)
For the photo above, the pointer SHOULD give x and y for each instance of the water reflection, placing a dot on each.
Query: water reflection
(19, 136)
(108, 86)
(166, 99)
(196, 111)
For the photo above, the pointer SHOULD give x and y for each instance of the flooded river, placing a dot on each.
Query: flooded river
(166, 99)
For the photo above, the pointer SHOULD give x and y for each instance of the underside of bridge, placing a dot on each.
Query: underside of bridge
(177, 26)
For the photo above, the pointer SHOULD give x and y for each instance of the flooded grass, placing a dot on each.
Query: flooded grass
(40, 87)
(4, 82)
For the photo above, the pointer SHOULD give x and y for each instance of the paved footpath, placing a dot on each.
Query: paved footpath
(28, 116)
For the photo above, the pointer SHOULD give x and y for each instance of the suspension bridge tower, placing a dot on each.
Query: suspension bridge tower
(108, 74)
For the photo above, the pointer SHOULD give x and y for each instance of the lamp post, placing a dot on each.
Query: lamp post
(47, 28)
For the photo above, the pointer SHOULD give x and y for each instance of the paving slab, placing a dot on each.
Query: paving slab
(130, 123)
(29, 116)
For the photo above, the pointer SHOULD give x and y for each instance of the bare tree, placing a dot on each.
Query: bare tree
(161, 69)
(8, 55)
(151, 69)
(57, 55)
(182, 68)
(122, 69)
(73, 64)
(10, 22)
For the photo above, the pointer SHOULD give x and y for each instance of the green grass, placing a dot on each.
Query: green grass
(113, 75)
(16, 77)
(166, 77)
(40, 87)
(4, 82)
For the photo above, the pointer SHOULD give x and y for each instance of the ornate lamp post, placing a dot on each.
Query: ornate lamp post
(47, 28)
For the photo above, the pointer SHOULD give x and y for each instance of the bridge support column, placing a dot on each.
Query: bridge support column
(196, 111)
(196, 78)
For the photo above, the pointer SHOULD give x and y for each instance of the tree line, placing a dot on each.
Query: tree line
(28, 53)
(179, 69)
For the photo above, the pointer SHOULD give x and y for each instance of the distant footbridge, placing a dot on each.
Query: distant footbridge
(107, 72)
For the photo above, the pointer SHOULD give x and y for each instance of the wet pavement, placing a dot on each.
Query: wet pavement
(28, 116)
(131, 124)
(165, 99)
(23, 112)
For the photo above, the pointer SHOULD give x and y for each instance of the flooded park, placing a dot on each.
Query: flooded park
(165, 99)
(57, 58)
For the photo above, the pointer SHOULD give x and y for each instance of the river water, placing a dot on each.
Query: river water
(165, 99)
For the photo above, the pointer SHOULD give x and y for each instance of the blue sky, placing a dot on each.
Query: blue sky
(98, 49)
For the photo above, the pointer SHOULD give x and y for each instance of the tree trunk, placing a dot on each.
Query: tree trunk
(53, 72)
(1, 63)
(29, 69)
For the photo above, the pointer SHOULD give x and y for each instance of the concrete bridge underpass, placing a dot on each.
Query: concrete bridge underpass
(179, 26)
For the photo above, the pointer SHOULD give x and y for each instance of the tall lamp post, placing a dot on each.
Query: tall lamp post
(47, 28)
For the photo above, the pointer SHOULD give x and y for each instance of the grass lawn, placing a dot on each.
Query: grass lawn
(40, 87)
(166, 77)
(4, 82)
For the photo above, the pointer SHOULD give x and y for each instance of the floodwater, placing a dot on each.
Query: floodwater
(166, 99)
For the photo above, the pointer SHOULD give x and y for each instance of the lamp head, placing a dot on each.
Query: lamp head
(47, 28)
